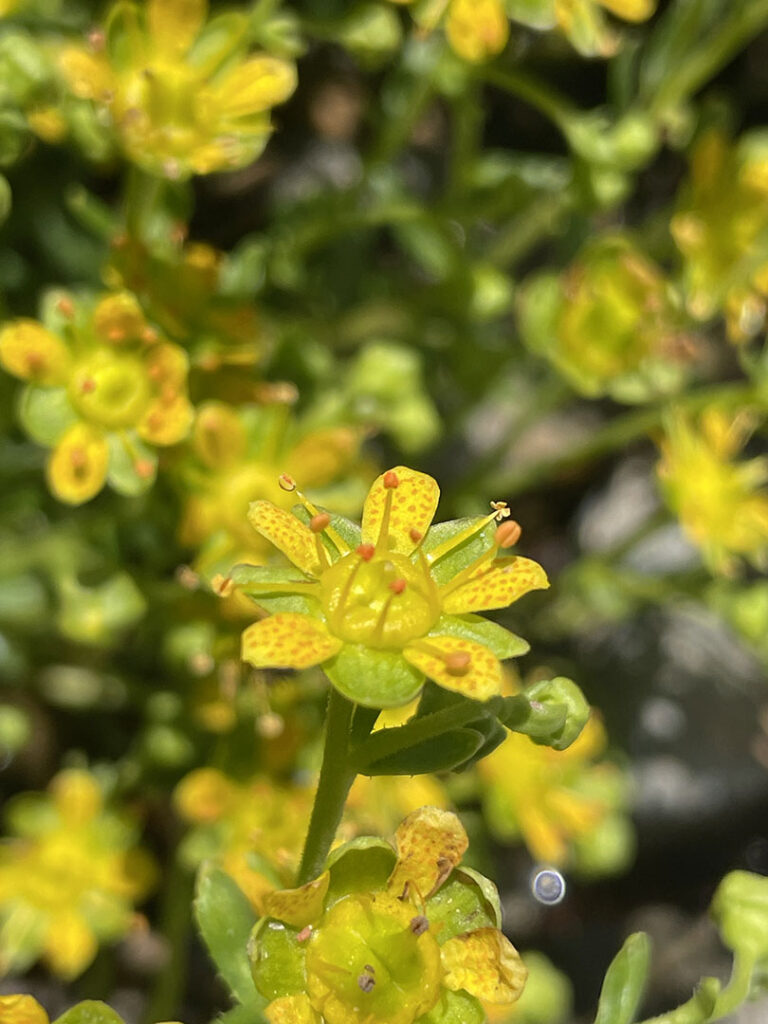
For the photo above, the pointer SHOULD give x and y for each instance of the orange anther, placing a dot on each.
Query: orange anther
(78, 458)
(144, 468)
(304, 934)
(88, 385)
(35, 362)
(415, 535)
(65, 306)
(507, 534)
(390, 480)
(397, 586)
(149, 335)
(457, 662)
(366, 551)
(287, 483)
(319, 522)
(222, 585)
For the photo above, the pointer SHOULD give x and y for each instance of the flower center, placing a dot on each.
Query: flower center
(110, 390)
(368, 964)
(379, 599)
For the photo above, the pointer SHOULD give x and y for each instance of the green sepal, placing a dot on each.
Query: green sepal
(225, 920)
(436, 754)
(464, 554)
(496, 638)
(465, 902)
(348, 531)
(122, 475)
(740, 909)
(90, 1012)
(252, 579)
(45, 413)
(454, 1008)
(376, 679)
(277, 959)
(625, 982)
(361, 865)
(124, 37)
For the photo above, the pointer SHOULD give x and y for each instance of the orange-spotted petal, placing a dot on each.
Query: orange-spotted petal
(119, 318)
(457, 664)
(496, 587)
(401, 505)
(77, 467)
(485, 964)
(21, 1009)
(298, 907)
(430, 843)
(292, 1010)
(167, 420)
(290, 536)
(30, 351)
(167, 364)
(288, 640)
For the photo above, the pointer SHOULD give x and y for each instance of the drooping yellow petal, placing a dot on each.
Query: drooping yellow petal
(29, 351)
(88, 75)
(70, 944)
(77, 795)
(167, 421)
(401, 503)
(430, 843)
(477, 29)
(485, 964)
(20, 1009)
(496, 587)
(175, 24)
(256, 85)
(288, 640)
(289, 535)
(77, 467)
(457, 664)
(292, 1010)
(298, 907)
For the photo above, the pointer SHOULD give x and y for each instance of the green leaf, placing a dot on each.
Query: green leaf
(437, 754)
(376, 679)
(496, 638)
(465, 553)
(277, 959)
(225, 919)
(455, 1008)
(624, 982)
(253, 580)
(493, 734)
(124, 453)
(90, 1012)
(465, 902)
(361, 865)
(45, 413)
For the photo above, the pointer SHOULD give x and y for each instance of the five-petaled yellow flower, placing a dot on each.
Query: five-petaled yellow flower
(384, 607)
(68, 878)
(184, 93)
(385, 937)
(722, 504)
(104, 389)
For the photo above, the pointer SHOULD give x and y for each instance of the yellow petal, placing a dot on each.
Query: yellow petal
(289, 535)
(477, 29)
(298, 907)
(430, 843)
(204, 795)
(118, 318)
(256, 85)
(457, 664)
(412, 504)
(167, 364)
(219, 438)
(70, 945)
(175, 24)
(29, 351)
(497, 587)
(288, 640)
(18, 1009)
(167, 420)
(485, 964)
(87, 75)
(322, 456)
(77, 467)
(543, 837)
(292, 1010)
(77, 795)
(630, 10)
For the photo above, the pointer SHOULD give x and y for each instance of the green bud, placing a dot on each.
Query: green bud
(372, 32)
(740, 908)
(563, 692)
(15, 729)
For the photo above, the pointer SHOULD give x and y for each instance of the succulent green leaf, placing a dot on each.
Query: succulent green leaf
(361, 865)
(436, 754)
(45, 413)
(376, 679)
(254, 580)
(90, 1012)
(464, 554)
(225, 920)
(465, 902)
(624, 982)
(496, 638)
(277, 959)
(455, 1008)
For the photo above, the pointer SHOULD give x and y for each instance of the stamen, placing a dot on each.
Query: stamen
(378, 629)
(367, 982)
(366, 551)
(398, 586)
(144, 468)
(457, 663)
(78, 458)
(287, 483)
(508, 534)
(501, 509)
(453, 542)
(222, 585)
(391, 483)
(304, 934)
(65, 306)
(88, 385)
(419, 925)
(391, 480)
(319, 522)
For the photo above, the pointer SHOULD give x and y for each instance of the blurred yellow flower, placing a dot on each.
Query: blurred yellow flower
(104, 389)
(184, 92)
(720, 228)
(722, 503)
(69, 876)
(584, 22)
(21, 1009)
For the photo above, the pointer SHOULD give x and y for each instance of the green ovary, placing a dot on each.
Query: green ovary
(110, 390)
(363, 608)
(371, 937)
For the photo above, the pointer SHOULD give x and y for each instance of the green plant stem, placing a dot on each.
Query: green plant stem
(176, 921)
(732, 996)
(539, 95)
(336, 778)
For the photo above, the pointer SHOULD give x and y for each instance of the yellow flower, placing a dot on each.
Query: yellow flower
(104, 390)
(385, 606)
(543, 794)
(184, 94)
(477, 29)
(584, 22)
(237, 457)
(388, 938)
(721, 503)
(69, 879)
(720, 226)
(20, 1009)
